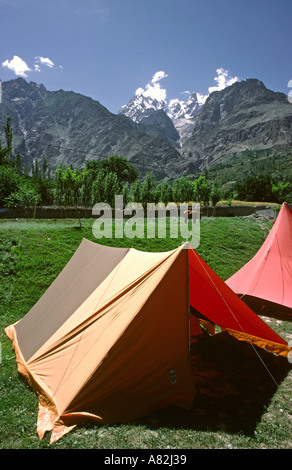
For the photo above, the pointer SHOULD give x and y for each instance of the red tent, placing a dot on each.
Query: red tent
(265, 282)
(211, 300)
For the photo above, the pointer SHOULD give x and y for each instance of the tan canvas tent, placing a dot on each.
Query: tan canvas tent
(109, 340)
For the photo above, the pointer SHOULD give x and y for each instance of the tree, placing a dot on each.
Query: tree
(163, 193)
(44, 187)
(67, 187)
(18, 163)
(45, 167)
(147, 189)
(42, 182)
(2, 154)
(176, 191)
(202, 190)
(255, 187)
(25, 197)
(281, 190)
(111, 188)
(166, 193)
(34, 168)
(96, 172)
(215, 194)
(59, 185)
(86, 188)
(135, 191)
(71, 182)
(126, 194)
(97, 190)
(182, 190)
(9, 182)
(124, 170)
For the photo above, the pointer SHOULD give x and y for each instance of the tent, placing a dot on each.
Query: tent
(109, 340)
(265, 282)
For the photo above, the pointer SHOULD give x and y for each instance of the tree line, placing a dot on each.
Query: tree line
(101, 180)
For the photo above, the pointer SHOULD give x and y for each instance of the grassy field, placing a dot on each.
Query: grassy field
(242, 402)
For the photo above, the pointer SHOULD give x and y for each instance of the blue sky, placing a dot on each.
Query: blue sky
(107, 49)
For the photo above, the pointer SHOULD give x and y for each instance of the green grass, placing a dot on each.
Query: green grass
(238, 404)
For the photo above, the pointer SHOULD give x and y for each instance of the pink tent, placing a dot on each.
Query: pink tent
(265, 282)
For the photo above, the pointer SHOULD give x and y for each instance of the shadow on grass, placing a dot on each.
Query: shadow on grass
(235, 383)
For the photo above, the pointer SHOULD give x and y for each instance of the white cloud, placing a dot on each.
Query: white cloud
(153, 89)
(139, 91)
(46, 61)
(17, 65)
(223, 80)
(20, 67)
(43, 61)
(158, 76)
(201, 98)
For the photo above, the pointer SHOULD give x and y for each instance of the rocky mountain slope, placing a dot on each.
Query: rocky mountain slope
(184, 115)
(245, 115)
(63, 126)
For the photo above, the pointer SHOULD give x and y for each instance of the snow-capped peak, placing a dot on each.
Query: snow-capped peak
(182, 113)
(189, 109)
(139, 104)
(175, 109)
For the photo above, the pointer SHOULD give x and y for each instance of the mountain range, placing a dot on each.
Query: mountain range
(181, 137)
(181, 114)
